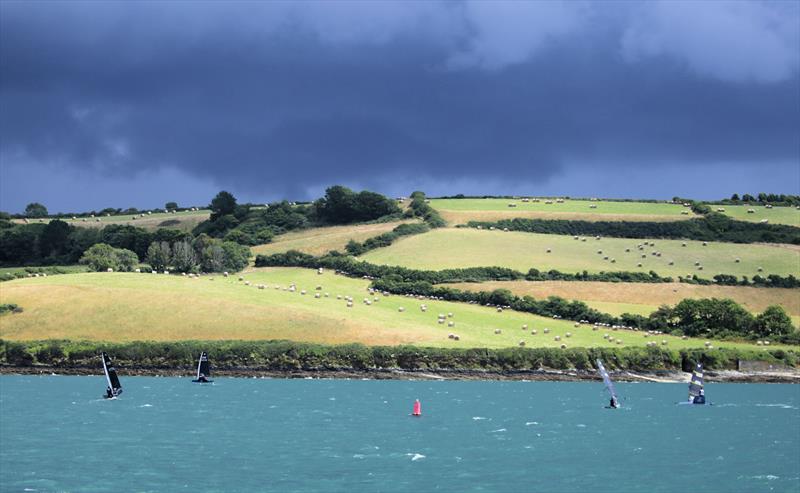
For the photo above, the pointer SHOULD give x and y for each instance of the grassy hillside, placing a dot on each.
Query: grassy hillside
(318, 241)
(775, 215)
(617, 298)
(184, 220)
(459, 211)
(125, 307)
(452, 248)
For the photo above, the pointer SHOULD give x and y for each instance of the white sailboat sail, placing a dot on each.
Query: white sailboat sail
(607, 381)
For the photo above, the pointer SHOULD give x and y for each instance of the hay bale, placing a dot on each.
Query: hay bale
(327, 295)
(456, 337)
(568, 334)
(166, 272)
(317, 295)
(522, 343)
(705, 243)
(349, 304)
(563, 346)
(639, 264)
(557, 338)
(440, 321)
(451, 323)
(760, 269)
(737, 260)
(137, 271)
(108, 270)
(449, 314)
(683, 244)
(546, 330)
(549, 250)
(498, 331)
(533, 332)
(241, 278)
(247, 283)
(302, 291)
(499, 309)
(524, 326)
(684, 338)
(766, 343)
(759, 343)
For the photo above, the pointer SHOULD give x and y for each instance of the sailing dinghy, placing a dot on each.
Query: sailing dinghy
(614, 402)
(114, 388)
(203, 369)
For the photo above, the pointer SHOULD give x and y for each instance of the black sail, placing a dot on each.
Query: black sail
(203, 368)
(111, 376)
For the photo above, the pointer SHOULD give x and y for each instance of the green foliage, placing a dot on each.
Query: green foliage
(422, 209)
(184, 258)
(712, 317)
(8, 308)
(171, 206)
(291, 356)
(223, 204)
(385, 239)
(773, 322)
(711, 227)
(35, 209)
(159, 254)
(340, 205)
(101, 257)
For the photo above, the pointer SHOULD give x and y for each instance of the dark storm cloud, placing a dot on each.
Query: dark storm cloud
(278, 100)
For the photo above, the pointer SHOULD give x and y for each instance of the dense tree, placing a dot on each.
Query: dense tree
(159, 254)
(213, 258)
(773, 322)
(735, 197)
(711, 317)
(54, 240)
(171, 206)
(35, 209)
(101, 257)
(184, 258)
(340, 205)
(223, 204)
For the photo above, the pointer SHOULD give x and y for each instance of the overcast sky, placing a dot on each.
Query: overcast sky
(111, 104)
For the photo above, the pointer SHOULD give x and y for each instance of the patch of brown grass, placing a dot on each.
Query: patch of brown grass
(754, 299)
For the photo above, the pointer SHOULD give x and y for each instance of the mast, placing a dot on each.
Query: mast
(696, 383)
(607, 380)
(105, 370)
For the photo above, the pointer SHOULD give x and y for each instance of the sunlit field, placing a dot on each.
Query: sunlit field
(128, 306)
(318, 241)
(458, 211)
(775, 215)
(462, 247)
(183, 220)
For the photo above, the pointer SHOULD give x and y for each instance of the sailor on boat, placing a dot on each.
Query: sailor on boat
(613, 403)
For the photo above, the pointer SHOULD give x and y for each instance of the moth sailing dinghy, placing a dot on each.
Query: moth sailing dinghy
(614, 402)
(203, 369)
(697, 394)
(114, 388)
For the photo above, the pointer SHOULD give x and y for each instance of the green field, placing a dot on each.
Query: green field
(319, 241)
(462, 247)
(459, 211)
(183, 220)
(127, 306)
(775, 215)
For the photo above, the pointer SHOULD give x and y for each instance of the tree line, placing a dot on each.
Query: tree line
(296, 356)
(711, 227)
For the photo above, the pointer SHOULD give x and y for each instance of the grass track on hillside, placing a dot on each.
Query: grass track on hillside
(319, 241)
(460, 211)
(462, 247)
(616, 298)
(126, 307)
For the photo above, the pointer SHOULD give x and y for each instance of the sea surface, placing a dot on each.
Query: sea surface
(249, 435)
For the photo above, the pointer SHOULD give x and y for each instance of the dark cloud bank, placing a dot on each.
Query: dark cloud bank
(137, 103)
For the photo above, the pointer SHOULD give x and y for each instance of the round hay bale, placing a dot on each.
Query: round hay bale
(546, 330)
(498, 331)
(317, 295)
(605, 336)
(522, 343)
(639, 264)
(441, 320)
(557, 338)
(766, 343)
(760, 269)
(247, 283)
(499, 309)
(563, 346)
(451, 324)
(401, 309)
(524, 326)
(759, 343)
(663, 342)
(449, 314)
(107, 270)
(683, 244)
(549, 250)
(568, 334)
(138, 271)
(595, 328)
(302, 291)
(533, 332)
(349, 304)
(619, 341)
(737, 260)
(705, 243)
(456, 337)
(684, 338)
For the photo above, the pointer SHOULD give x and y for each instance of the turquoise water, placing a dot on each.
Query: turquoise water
(248, 435)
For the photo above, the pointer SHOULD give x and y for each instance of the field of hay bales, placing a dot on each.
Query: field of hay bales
(462, 247)
(618, 298)
(774, 215)
(460, 211)
(128, 306)
(183, 220)
(318, 241)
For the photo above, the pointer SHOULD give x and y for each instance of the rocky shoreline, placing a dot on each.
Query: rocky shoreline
(784, 376)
